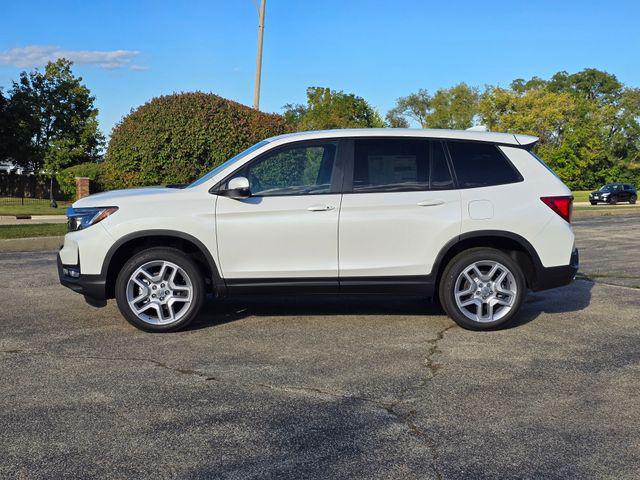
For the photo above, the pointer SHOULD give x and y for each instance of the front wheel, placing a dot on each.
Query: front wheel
(159, 290)
(594, 203)
(482, 288)
(633, 199)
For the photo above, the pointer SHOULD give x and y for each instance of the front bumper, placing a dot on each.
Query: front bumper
(552, 277)
(93, 287)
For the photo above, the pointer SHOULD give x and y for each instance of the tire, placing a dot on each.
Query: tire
(174, 299)
(594, 203)
(613, 201)
(484, 292)
(633, 199)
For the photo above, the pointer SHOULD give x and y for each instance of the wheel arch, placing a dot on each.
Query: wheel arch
(129, 244)
(511, 243)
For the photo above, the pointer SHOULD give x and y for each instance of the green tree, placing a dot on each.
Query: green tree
(55, 120)
(454, 107)
(5, 134)
(327, 109)
(587, 123)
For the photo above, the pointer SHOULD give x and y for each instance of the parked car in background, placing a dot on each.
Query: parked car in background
(472, 218)
(613, 193)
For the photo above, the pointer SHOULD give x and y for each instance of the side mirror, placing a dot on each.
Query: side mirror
(237, 188)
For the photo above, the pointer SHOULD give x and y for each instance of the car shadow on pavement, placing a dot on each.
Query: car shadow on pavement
(218, 312)
(574, 297)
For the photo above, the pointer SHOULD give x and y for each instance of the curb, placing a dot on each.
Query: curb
(33, 244)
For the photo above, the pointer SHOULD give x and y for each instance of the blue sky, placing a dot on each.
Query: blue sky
(129, 51)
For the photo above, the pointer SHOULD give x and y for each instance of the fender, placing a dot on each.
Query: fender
(537, 264)
(217, 280)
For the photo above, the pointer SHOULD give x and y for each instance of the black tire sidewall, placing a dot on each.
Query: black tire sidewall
(457, 265)
(171, 255)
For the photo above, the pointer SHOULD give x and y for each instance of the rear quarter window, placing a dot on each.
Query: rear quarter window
(479, 164)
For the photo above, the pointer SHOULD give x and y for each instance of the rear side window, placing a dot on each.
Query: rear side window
(481, 165)
(399, 165)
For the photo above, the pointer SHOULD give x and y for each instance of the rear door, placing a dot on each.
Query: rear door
(398, 210)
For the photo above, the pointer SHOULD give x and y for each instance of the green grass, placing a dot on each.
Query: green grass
(581, 195)
(35, 208)
(36, 230)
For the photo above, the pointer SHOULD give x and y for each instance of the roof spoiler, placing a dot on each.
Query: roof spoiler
(526, 141)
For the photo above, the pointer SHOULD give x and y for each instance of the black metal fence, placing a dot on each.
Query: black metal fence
(27, 189)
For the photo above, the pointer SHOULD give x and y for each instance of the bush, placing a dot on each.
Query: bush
(177, 138)
(67, 178)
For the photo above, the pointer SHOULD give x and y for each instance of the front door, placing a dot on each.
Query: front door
(402, 209)
(287, 230)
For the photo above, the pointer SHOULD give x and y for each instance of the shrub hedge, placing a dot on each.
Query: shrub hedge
(177, 138)
(67, 178)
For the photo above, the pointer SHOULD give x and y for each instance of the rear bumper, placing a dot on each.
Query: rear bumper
(93, 287)
(552, 277)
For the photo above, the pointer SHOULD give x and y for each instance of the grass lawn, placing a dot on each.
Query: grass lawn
(581, 195)
(36, 208)
(37, 230)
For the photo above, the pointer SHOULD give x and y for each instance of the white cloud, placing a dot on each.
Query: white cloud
(39, 55)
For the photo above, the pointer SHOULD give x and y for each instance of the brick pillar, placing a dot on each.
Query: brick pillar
(82, 187)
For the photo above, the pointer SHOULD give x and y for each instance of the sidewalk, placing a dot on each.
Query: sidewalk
(35, 219)
(32, 244)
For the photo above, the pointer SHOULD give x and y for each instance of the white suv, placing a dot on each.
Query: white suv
(472, 217)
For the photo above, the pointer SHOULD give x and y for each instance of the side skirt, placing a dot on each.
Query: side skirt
(422, 285)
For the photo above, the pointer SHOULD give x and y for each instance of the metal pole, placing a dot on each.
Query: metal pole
(256, 92)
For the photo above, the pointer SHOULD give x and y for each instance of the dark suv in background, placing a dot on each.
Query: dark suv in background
(613, 193)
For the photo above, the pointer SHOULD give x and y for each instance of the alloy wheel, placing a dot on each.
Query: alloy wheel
(485, 291)
(159, 292)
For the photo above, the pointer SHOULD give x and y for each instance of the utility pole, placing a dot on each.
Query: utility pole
(256, 92)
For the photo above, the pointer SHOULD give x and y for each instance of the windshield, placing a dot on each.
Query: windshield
(226, 164)
(609, 188)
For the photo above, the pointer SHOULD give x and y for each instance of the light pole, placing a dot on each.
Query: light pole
(256, 92)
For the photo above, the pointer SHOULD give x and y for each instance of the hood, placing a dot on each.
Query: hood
(114, 197)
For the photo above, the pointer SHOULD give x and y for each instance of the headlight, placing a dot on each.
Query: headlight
(81, 218)
(605, 194)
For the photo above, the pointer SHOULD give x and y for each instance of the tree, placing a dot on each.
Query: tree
(55, 120)
(415, 106)
(453, 107)
(5, 134)
(327, 109)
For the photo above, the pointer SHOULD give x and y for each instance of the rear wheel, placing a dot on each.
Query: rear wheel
(633, 199)
(159, 290)
(482, 288)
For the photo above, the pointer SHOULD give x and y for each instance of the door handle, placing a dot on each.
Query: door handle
(430, 203)
(320, 208)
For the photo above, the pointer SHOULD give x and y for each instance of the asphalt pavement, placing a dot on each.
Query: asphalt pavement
(326, 387)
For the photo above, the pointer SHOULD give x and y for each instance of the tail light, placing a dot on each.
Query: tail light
(563, 206)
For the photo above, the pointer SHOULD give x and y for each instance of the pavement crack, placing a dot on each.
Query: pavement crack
(406, 418)
(390, 408)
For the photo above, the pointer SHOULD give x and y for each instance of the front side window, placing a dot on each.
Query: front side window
(480, 164)
(226, 164)
(399, 165)
(300, 170)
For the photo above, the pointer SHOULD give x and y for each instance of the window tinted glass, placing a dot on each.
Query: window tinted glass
(480, 165)
(293, 171)
(399, 165)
